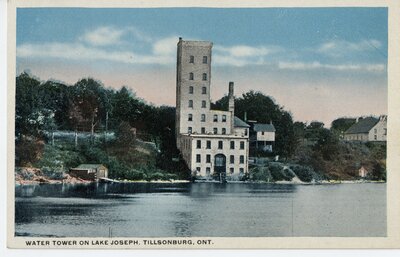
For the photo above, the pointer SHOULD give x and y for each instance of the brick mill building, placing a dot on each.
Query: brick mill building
(212, 142)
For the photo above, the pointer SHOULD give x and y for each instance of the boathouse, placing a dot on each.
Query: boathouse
(89, 171)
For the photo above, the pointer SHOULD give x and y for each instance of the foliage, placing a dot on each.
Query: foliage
(263, 109)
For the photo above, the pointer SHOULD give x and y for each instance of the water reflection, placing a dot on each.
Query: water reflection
(200, 209)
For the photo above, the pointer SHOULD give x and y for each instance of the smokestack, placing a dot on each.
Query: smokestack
(245, 116)
(231, 105)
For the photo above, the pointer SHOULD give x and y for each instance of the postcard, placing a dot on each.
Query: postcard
(203, 124)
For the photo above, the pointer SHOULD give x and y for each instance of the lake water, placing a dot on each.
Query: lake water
(200, 209)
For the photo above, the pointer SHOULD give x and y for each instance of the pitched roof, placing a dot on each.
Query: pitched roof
(264, 127)
(239, 123)
(363, 126)
(89, 166)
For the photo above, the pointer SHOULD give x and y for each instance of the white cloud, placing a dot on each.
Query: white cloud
(103, 36)
(165, 46)
(338, 67)
(77, 51)
(241, 55)
(341, 47)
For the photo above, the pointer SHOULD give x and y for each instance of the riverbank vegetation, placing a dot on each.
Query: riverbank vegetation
(135, 140)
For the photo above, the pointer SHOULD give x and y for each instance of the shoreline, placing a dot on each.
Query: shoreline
(77, 181)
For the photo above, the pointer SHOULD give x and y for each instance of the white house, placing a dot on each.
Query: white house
(211, 142)
(263, 136)
(368, 129)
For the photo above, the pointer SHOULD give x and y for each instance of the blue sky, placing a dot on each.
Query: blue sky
(320, 63)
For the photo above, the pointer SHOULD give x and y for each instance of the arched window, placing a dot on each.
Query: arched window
(223, 131)
(203, 117)
(191, 76)
(204, 90)
(204, 76)
(190, 90)
(203, 104)
(190, 117)
(204, 59)
(191, 59)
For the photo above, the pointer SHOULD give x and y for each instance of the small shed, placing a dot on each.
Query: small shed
(89, 171)
(362, 172)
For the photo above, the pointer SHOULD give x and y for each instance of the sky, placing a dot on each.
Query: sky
(318, 63)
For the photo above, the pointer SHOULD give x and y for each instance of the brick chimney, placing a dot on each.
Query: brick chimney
(231, 104)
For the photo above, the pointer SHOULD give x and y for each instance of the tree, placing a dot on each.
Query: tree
(263, 109)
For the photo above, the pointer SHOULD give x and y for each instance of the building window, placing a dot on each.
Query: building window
(242, 145)
(384, 131)
(190, 130)
(375, 131)
(208, 144)
(204, 59)
(246, 132)
(203, 104)
(191, 76)
(204, 90)
(203, 117)
(220, 144)
(190, 90)
(215, 118)
(198, 158)
(262, 133)
(375, 137)
(198, 144)
(232, 170)
(208, 171)
(203, 130)
(241, 170)
(223, 131)
(232, 144)
(208, 158)
(232, 159)
(191, 59)
(198, 169)
(241, 159)
(215, 130)
(190, 117)
(204, 76)
(191, 103)
(223, 118)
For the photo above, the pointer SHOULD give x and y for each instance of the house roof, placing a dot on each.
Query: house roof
(239, 123)
(89, 166)
(363, 126)
(259, 127)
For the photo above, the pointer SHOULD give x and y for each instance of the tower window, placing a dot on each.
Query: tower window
(191, 76)
(190, 90)
(215, 118)
(242, 145)
(191, 103)
(204, 90)
(208, 144)
(241, 159)
(190, 117)
(190, 130)
(215, 130)
(203, 130)
(198, 158)
(204, 76)
(198, 144)
(191, 59)
(203, 104)
(220, 144)
(232, 144)
(208, 158)
(232, 159)
(223, 131)
(204, 59)
(203, 117)
(223, 118)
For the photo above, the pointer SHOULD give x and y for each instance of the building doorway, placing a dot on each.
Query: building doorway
(220, 164)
